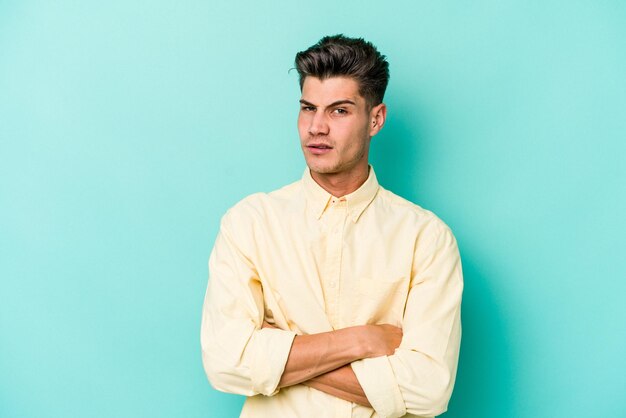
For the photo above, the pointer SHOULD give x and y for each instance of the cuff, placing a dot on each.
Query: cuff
(378, 381)
(271, 349)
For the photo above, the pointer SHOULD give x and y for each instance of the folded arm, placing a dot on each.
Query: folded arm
(316, 354)
(322, 361)
(418, 378)
(238, 355)
(341, 383)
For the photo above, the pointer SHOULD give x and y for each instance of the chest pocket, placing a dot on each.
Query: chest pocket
(380, 301)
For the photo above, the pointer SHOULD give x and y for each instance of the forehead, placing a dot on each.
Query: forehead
(329, 90)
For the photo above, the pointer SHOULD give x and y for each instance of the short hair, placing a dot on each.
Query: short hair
(341, 56)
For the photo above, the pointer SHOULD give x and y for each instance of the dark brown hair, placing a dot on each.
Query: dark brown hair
(340, 56)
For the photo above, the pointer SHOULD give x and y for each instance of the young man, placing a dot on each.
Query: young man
(333, 297)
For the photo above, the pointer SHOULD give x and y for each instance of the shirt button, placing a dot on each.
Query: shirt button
(331, 285)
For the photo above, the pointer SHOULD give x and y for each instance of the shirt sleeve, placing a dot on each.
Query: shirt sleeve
(420, 375)
(238, 356)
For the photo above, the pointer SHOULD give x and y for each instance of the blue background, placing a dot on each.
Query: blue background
(127, 128)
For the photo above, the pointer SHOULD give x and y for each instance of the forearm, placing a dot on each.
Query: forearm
(316, 354)
(341, 383)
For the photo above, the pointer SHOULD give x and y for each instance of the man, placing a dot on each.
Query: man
(333, 297)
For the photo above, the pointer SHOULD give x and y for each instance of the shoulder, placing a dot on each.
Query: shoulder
(413, 213)
(258, 206)
(432, 238)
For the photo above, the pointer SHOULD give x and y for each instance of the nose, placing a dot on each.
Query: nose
(319, 125)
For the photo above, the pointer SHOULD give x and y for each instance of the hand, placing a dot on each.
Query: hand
(381, 340)
(268, 325)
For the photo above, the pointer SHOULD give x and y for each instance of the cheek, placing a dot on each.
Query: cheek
(355, 137)
(356, 146)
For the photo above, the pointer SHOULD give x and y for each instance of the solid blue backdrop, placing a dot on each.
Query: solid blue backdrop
(127, 128)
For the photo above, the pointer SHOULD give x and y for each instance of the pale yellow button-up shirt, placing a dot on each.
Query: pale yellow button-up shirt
(309, 262)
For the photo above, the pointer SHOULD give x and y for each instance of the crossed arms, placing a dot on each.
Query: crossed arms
(322, 361)
(395, 371)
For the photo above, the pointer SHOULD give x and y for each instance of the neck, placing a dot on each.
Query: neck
(341, 184)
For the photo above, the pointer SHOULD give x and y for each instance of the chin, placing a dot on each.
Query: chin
(317, 169)
(321, 168)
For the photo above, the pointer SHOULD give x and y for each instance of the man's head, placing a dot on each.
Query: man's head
(340, 56)
(343, 81)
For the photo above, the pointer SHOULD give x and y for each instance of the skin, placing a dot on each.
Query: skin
(341, 383)
(322, 361)
(333, 114)
(336, 125)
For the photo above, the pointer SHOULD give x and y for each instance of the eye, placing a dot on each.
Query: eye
(340, 111)
(306, 108)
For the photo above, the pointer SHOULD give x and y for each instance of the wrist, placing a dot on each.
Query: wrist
(361, 342)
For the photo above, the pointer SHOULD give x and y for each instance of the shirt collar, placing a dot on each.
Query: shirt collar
(318, 199)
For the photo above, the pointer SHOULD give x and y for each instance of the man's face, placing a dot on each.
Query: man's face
(335, 125)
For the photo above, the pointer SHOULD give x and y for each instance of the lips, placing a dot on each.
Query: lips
(318, 148)
(319, 145)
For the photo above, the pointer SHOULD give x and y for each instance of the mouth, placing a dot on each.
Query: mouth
(318, 145)
(318, 148)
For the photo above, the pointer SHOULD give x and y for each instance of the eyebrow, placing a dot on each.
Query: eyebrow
(333, 104)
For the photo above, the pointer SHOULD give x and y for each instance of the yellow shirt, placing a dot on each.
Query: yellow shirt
(309, 262)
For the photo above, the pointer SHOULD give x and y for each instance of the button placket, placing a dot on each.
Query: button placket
(332, 281)
(338, 245)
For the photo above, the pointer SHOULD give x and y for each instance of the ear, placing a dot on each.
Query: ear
(378, 115)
